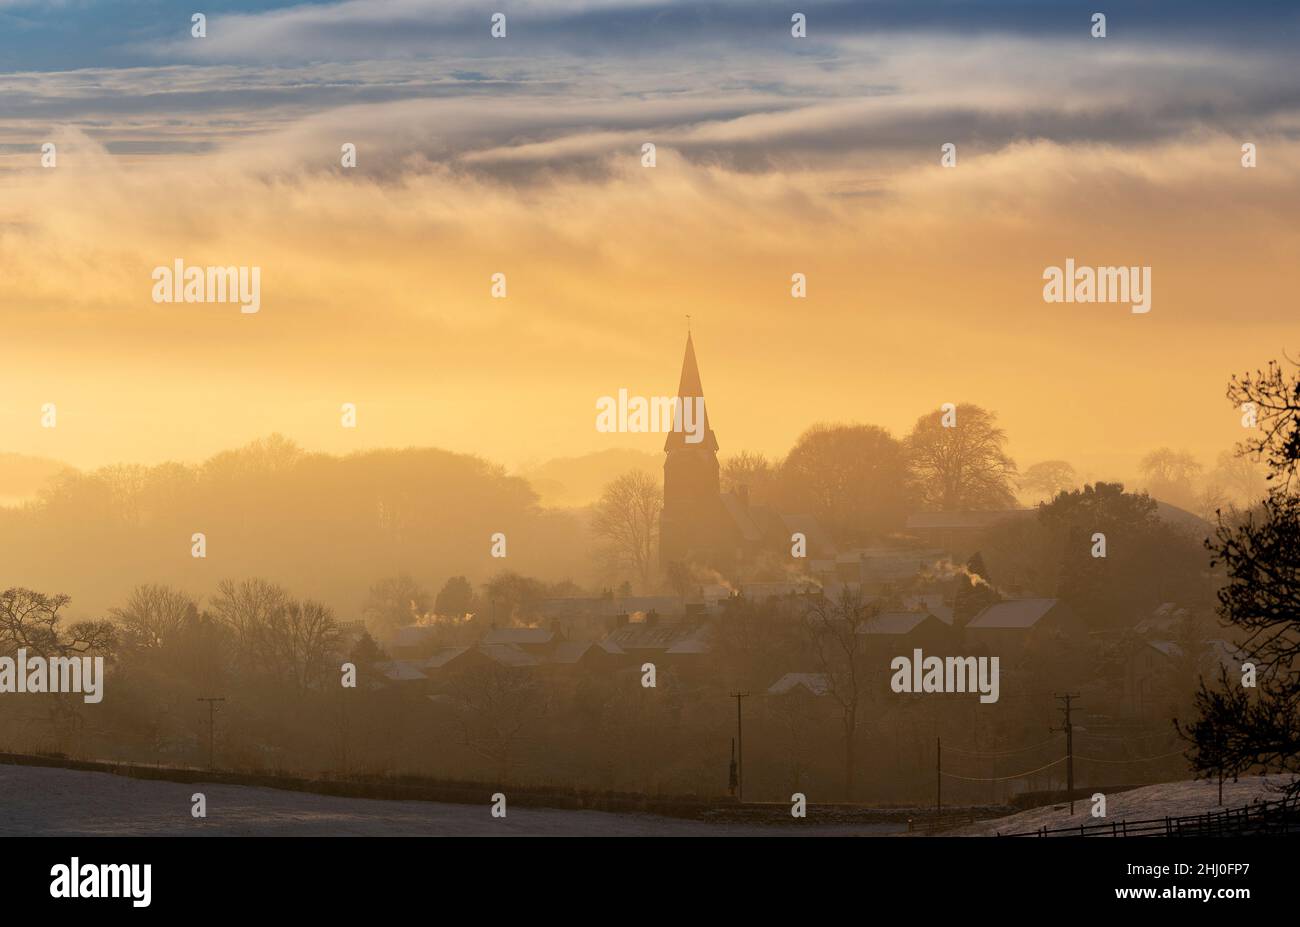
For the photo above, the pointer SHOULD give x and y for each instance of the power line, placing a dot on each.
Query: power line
(1070, 756)
(1005, 778)
(1153, 735)
(1141, 759)
(1006, 752)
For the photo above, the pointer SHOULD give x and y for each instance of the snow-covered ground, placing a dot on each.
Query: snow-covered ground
(64, 802)
(1170, 799)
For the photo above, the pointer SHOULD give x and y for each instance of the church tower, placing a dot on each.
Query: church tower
(690, 524)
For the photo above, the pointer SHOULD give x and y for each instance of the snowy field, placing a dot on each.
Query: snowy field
(1171, 799)
(39, 801)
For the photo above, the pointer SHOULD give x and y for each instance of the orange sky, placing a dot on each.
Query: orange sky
(925, 283)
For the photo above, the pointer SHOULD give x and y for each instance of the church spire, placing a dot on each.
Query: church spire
(690, 389)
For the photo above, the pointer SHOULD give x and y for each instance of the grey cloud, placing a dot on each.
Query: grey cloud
(514, 115)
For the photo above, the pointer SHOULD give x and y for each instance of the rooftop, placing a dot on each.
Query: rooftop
(518, 636)
(950, 520)
(401, 670)
(1014, 614)
(893, 623)
(666, 637)
(813, 683)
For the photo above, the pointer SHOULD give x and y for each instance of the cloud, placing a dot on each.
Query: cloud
(523, 157)
(851, 95)
(357, 29)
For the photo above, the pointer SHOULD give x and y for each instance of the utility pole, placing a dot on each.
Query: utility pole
(938, 775)
(731, 776)
(212, 707)
(740, 744)
(345, 729)
(1069, 745)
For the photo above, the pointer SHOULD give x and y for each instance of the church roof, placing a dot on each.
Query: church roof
(689, 388)
(740, 514)
(819, 541)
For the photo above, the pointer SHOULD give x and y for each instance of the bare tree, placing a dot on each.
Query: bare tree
(1240, 478)
(248, 608)
(1170, 474)
(798, 718)
(301, 638)
(1273, 400)
(276, 636)
(626, 518)
(393, 602)
(1165, 465)
(831, 631)
(496, 705)
(154, 613)
(961, 466)
(30, 620)
(1212, 499)
(750, 470)
(1046, 478)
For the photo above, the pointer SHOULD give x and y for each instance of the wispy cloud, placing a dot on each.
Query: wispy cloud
(523, 155)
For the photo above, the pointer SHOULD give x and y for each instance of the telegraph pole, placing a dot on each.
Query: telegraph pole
(1069, 744)
(938, 775)
(212, 707)
(345, 730)
(740, 744)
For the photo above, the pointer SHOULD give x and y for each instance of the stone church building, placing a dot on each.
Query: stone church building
(700, 523)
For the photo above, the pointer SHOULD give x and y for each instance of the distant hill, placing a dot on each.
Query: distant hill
(22, 476)
(577, 481)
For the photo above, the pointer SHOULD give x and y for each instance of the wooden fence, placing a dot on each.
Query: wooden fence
(1274, 817)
